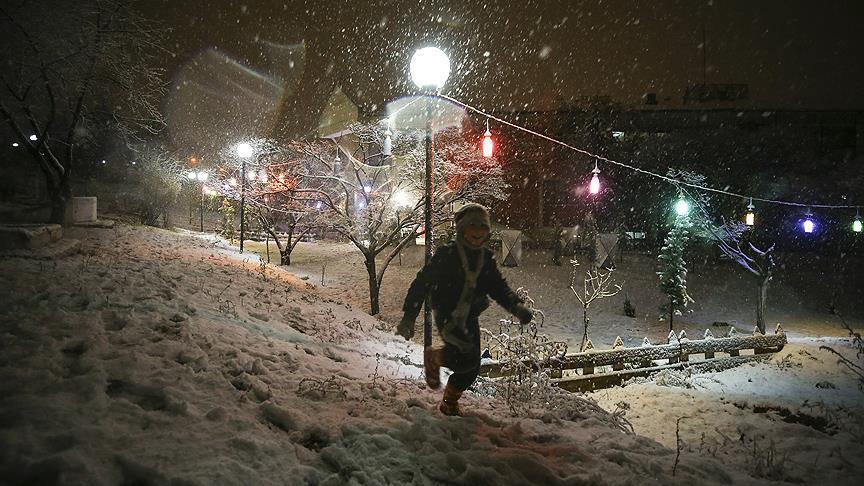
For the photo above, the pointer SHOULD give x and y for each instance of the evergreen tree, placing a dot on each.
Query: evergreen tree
(227, 228)
(673, 270)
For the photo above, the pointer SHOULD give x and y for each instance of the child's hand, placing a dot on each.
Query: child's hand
(405, 329)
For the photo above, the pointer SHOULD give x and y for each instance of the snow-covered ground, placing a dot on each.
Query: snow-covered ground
(154, 357)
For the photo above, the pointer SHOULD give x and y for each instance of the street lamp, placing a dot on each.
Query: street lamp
(244, 151)
(429, 68)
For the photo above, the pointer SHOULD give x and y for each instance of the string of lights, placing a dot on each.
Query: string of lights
(644, 171)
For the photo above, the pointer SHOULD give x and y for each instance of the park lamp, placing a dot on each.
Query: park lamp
(594, 186)
(429, 68)
(682, 207)
(750, 217)
(244, 150)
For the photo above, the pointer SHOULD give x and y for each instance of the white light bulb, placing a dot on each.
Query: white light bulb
(682, 207)
(244, 150)
(429, 68)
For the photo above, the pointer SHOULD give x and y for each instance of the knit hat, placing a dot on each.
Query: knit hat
(472, 213)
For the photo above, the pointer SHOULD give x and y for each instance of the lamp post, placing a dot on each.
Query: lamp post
(244, 151)
(429, 68)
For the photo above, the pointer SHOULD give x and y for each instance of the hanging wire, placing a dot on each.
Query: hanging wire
(633, 168)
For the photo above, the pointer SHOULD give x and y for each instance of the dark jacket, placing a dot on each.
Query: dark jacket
(444, 279)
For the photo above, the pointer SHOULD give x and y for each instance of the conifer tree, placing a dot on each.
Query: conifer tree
(673, 270)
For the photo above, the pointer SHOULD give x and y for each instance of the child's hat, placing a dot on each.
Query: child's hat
(472, 213)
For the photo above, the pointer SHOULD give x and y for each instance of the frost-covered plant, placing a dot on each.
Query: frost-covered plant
(596, 285)
(529, 359)
(858, 344)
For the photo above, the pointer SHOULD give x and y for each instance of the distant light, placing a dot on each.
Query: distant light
(133, 162)
(34, 137)
(594, 186)
(191, 175)
(401, 199)
(682, 207)
(617, 135)
(14, 144)
(104, 162)
(203, 176)
(429, 68)
(244, 150)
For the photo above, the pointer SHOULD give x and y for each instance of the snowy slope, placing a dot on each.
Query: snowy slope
(160, 358)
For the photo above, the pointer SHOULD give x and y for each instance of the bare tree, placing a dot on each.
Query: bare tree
(376, 201)
(155, 181)
(596, 285)
(279, 199)
(69, 69)
(733, 240)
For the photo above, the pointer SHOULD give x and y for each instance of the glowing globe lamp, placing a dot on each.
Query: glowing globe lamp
(429, 68)
(682, 207)
(244, 150)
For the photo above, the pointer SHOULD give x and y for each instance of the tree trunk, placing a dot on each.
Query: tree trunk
(760, 304)
(374, 307)
(671, 313)
(285, 251)
(585, 324)
(60, 197)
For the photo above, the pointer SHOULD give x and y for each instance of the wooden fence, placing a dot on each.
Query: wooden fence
(595, 368)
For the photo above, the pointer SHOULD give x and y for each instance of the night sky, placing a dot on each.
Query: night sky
(536, 54)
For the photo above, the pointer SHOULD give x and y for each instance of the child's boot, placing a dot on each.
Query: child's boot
(432, 357)
(450, 401)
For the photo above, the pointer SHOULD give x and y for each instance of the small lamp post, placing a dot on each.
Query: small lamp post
(244, 151)
(429, 68)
